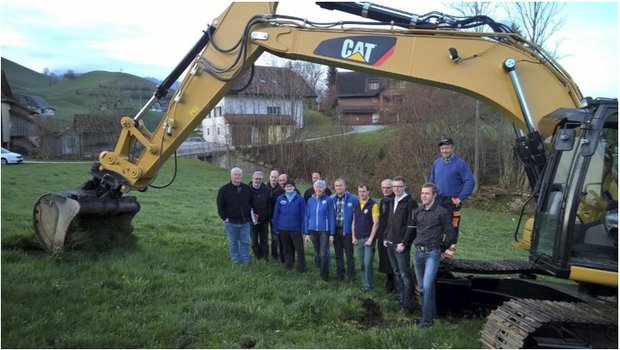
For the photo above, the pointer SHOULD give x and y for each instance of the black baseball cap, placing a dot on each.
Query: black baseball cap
(445, 141)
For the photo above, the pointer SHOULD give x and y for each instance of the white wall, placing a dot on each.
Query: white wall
(214, 121)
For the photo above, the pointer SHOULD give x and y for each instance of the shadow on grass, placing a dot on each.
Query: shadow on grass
(87, 237)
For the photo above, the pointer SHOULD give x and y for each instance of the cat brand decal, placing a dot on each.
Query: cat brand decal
(372, 50)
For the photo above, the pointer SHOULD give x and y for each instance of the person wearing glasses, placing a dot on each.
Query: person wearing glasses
(398, 237)
(274, 187)
(384, 212)
(262, 210)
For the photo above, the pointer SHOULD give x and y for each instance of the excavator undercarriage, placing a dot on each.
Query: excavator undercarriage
(523, 311)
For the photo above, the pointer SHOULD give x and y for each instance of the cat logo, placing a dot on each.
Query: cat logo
(372, 50)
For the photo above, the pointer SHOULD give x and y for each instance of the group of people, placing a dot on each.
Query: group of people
(350, 222)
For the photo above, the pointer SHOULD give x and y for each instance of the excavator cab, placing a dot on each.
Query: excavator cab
(576, 224)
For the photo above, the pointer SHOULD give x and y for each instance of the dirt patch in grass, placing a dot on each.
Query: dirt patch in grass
(371, 316)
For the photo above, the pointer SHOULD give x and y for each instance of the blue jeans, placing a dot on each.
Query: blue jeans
(402, 274)
(367, 257)
(320, 242)
(238, 242)
(426, 266)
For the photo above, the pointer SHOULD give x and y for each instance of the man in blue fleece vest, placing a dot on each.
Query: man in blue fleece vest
(344, 204)
(454, 180)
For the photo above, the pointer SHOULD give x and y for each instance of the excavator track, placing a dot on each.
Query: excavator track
(491, 266)
(530, 323)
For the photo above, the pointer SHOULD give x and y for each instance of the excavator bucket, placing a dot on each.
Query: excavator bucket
(58, 218)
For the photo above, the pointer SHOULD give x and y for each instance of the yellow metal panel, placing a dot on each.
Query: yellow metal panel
(583, 274)
(422, 56)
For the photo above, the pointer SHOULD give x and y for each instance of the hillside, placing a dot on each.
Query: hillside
(23, 79)
(97, 92)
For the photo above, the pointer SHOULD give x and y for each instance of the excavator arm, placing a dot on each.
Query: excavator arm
(501, 69)
(245, 30)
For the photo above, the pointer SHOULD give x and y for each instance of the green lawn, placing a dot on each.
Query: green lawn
(176, 288)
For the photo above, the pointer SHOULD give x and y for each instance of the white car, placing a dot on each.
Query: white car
(9, 157)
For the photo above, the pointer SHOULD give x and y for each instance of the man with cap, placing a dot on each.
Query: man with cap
(454, 180)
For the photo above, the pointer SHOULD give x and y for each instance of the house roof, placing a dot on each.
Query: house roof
(16, 108)
(270, 81)
(33, 101)
(355, 84)
(6, 88)
(255, 119)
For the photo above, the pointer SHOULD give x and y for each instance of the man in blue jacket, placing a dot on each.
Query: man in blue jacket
(344, 205)
(454, 180)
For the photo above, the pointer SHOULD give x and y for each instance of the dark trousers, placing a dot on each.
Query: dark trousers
(277, 251)
(320, 242)
(344, 243)
(384, 263)
(260, 246)
(292, 240)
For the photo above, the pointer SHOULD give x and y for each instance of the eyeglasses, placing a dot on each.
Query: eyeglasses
(398, 186)
(386, 188)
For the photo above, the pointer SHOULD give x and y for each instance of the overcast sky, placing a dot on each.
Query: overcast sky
(146, 39)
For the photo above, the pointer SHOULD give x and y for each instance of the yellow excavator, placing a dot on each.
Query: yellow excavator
(567, 144)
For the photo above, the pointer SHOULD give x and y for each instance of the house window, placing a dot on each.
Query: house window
(373, 84)
(284, 130)
(208, 131)
(217, 111)
(273, 110)
(218, 131)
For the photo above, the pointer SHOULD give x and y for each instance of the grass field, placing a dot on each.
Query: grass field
(176, 288)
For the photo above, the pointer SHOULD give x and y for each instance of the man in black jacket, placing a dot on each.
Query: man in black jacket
(310, 191)
(274, 188)
(399, 234)
(384, 215)
(263, 209)
(234, 206)
(433, 230)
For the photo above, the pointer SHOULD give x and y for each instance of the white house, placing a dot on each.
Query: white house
(266, 111)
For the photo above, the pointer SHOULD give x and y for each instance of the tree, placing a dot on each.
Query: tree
(538, 22)
(474, 8)
(312, 73)
(69, 75)
(328, 95)
(331, 76)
